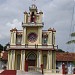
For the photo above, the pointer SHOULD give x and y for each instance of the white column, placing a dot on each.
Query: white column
(11, 38)
(15, 38)
(49, 59)
(25, 18)
(47, 67)
(13, 59)
(22, 60)
(54, 59)
(8, 61)
(37, 58)
(50, 38)
(40, 55)
(40, 35)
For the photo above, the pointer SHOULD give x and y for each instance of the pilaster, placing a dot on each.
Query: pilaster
(49, 60)
(22, 64)
(13, 59)
(53, 60)
(50, 38)
(14, 37)
(24, 36)
(39, 60)
(11, 38)
(40, 35)
(40, 18)
(8, 60)
(25, 17)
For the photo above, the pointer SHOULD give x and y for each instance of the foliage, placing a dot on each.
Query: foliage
(72, 41)
(73, 34)
(73, 63)
(60, 50)
(1, 47)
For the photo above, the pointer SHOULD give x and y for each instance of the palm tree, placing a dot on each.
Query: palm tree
(72, 41)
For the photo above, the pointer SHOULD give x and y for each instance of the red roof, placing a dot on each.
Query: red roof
(60, 56)
(65, 56)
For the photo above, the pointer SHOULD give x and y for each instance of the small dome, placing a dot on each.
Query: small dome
(13, 29)
(49, 29)
(40, 12)
(54, 30)
(33, 7)
(25, 12)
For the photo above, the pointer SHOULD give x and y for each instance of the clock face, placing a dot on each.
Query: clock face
(32, 37)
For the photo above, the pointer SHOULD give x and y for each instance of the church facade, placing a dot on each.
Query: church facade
(32, 46)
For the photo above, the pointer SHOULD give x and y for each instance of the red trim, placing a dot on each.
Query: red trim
(26, 65)
(8, 72)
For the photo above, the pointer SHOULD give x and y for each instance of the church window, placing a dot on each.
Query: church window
(32, 37)
(45, 39)
(31, 57)
(19, 39)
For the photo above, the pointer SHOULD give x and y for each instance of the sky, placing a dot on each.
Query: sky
(57, 14)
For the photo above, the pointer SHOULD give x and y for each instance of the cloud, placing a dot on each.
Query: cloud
(57, 14)
(5, 31)
(15, 23)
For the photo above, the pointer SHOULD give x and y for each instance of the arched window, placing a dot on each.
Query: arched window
(45, 40)
(31, 57)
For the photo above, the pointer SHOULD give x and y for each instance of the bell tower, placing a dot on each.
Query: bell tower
(32, 26)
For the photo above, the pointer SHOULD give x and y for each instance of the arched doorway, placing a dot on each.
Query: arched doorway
(31, 58)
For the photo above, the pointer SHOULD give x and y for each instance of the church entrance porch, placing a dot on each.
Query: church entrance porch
(30, 62)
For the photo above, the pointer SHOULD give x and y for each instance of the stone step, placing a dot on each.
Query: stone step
(28, 73)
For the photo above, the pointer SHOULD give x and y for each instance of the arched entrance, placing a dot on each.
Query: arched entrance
(31, 58)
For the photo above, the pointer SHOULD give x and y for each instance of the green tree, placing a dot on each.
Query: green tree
(72, 41)
(60, 50)
(6, 46)
(1, 47)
